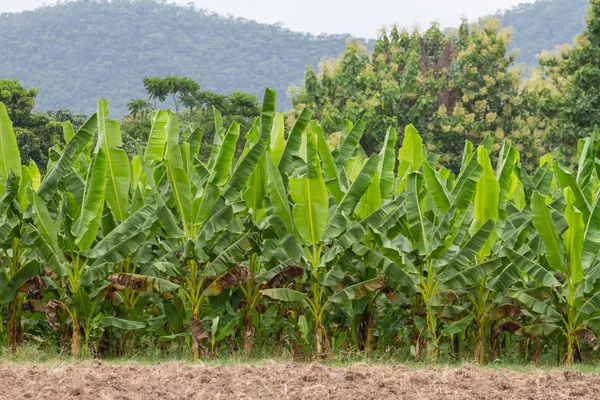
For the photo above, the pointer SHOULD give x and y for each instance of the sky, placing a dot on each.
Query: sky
(362, 18)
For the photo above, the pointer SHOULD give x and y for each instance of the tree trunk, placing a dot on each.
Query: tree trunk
(456, 349)
(494, 344)
(523, 348)
(570, 349)
(249, 334)
(318, 339)
(15, 329)
(75, 339)
(370, 331)
(480, 343)
(418, 348)
(537, 350)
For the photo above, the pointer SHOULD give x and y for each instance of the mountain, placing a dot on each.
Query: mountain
(543, 25)
(78, 51)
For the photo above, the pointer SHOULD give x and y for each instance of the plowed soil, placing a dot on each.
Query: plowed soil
(271, 380)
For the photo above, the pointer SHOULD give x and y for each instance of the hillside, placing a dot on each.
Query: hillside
(543, 25)
(76, 52)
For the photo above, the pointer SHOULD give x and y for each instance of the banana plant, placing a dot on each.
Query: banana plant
(480, 275)
(356, 300)
(266, 270)
(438, 234)
(568, 250)
(67, 224)
(20, 268)
(202, 195)
(309, 220)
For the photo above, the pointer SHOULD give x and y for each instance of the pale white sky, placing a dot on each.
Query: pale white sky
(359, 17)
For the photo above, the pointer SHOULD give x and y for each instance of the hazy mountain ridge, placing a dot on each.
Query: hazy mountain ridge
(79, 51)
(543, 25)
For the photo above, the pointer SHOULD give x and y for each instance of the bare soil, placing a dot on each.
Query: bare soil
(272, 380)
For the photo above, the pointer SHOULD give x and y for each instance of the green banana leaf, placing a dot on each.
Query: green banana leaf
(554, 249)
(27, 271)
(294, 141)
(337, 222)
(126, 238)
(459, 326)
(573, 237)
(349, 143)
(157, 139)
(387, 163)
(10, 158)
(80, 141)
(414, 212)
(278, 195)
(121, 323)
(411, 153)
(532, 269)
(86, 226)
(438, 192)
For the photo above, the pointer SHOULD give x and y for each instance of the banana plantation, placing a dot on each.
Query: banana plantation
(298, 242)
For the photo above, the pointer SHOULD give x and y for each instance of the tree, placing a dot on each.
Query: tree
(174, 86)
(18, 100)
(139, 107)
(451, 86)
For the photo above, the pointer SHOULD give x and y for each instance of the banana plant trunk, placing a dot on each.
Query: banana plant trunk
(494, 344)
(249, 334)
(370, 331)
(537, 351)
(75, 337)
(319, 339)
(14, 329)
(480, 342)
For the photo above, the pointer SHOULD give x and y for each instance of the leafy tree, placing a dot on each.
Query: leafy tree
(139, 107)
(450, 86)
(174, 86)
(18, 100)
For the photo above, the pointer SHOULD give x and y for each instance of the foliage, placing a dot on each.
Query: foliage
(36, 132)
(296, 242)
(195, 107)
(450, 86)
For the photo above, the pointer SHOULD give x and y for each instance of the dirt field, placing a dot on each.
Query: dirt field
(271, 380)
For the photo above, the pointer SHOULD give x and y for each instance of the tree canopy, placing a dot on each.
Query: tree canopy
(451, 86)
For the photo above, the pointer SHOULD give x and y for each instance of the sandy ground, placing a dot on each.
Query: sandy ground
(272, 380)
